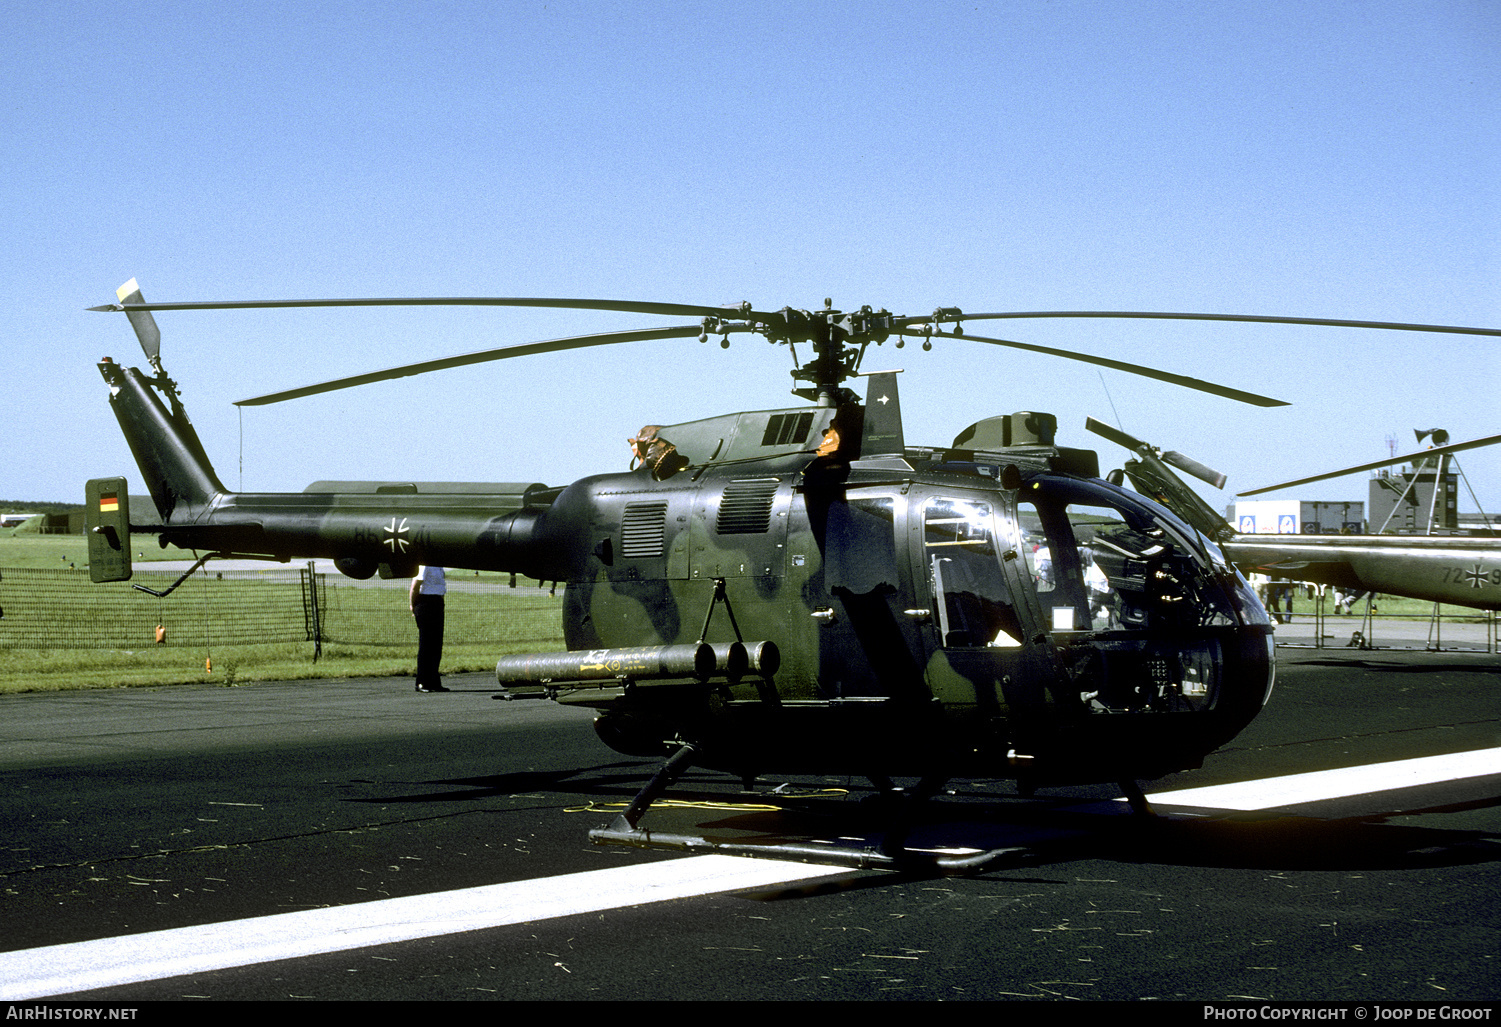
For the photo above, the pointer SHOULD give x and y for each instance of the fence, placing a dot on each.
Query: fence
(63, 609)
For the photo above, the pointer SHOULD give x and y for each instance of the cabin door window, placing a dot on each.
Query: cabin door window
(973, 603)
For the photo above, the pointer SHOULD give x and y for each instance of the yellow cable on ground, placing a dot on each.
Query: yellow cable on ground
(688, 804)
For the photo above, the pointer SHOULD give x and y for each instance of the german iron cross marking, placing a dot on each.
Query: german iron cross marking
(397, 532)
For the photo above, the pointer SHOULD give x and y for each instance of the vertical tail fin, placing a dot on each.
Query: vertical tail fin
(882, 431)
(167, 450)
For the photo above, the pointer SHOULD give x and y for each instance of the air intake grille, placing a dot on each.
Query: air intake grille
(746, 506)
(642, 530)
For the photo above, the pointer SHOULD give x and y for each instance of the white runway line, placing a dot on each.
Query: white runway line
(1319, 785)
(109, 962)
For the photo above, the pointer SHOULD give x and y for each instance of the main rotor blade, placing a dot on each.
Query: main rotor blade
(631, 306)
(743, 310)
(1435, 451)
(1252, 318)
(1138, 369)
(502, 353)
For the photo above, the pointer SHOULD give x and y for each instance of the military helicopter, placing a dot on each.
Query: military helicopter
(795, 590)
(1453, 569)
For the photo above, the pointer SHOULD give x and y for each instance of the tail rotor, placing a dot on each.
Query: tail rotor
(144, 324)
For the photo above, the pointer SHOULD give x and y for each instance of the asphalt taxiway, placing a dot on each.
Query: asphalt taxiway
(355, 840)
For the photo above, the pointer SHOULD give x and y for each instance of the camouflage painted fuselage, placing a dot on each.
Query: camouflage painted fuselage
(985, 612)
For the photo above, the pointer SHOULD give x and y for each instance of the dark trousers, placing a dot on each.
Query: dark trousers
(429, 613)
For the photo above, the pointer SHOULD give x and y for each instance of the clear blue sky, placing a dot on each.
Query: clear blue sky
(1322, 159)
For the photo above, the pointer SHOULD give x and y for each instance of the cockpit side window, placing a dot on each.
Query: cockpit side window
(1053, 559)
(974, 605)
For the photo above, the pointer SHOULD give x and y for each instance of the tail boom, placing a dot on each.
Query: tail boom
(364, 527)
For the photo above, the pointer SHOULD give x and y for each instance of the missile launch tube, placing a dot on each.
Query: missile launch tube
(734, 660)
(700, 661)
(664, 661)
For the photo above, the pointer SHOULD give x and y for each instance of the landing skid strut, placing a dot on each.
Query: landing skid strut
(890, 855)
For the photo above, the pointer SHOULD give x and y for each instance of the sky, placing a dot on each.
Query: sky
(1312, 159)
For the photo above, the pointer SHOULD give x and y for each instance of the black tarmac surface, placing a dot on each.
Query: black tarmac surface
(134, 811)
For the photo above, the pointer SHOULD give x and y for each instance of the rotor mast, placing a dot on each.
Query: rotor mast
(839, 341)
(836, 354)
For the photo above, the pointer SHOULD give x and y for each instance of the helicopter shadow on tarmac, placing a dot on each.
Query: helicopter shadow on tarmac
(621, 778)
(1011, 832)
(1065, 832)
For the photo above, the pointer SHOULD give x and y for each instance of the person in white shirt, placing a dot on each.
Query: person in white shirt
(428, 589)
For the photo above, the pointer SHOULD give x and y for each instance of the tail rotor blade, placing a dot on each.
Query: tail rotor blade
(144, 324)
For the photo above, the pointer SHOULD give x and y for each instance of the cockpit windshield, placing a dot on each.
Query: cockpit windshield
(1133, 606)
(1102, 560)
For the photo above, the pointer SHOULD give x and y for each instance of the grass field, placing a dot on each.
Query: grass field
(524, 620)
(531, 626)
(20, 548)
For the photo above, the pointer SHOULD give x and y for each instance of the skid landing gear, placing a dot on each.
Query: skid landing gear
(891, 854)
